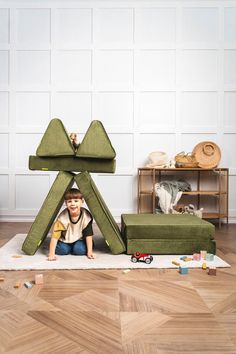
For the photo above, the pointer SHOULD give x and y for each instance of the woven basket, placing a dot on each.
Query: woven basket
(207, 154)
(186, 160)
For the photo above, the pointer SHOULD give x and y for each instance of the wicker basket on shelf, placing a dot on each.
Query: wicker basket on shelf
(186, 160)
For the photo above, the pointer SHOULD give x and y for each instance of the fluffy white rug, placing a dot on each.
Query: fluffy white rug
(12, 258)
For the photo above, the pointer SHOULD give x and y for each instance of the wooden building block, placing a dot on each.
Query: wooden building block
(196, 257)
(175, 263)
(203, 254)
(210, 257)
(212, 271)
(17, 285)
(204, 266)
(183, 258)
(38, 279)
(187, 259)
(2, 278)
(183, 270)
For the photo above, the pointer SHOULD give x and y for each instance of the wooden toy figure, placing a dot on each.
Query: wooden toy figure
(74, 140)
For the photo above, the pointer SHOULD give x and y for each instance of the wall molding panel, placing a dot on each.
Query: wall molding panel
(160, 75)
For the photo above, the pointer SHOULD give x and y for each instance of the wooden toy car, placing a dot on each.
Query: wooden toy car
(141, 257)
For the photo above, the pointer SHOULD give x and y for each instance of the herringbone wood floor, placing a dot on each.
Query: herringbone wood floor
(110, 312)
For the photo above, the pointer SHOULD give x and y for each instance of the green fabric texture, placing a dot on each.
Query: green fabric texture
(96, 143)
(47, 212)
(167, 234)
(55, 141)
(100, 212)
(171, 246)
(173, 226)
(75, 164)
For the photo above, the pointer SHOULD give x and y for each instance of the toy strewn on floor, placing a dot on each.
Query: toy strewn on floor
(141, 257)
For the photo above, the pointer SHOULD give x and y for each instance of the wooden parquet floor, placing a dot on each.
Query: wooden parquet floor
(144, 311)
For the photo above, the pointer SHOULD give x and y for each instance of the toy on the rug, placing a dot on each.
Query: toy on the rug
(183, 270)
(209, 257)
(203, 254)
(176, 263)
(196, 257)
(141, 257)
(182, 258)
(2, 278)
(187, 259)
(204, 266)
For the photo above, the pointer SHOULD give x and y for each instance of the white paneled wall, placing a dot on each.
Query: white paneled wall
(160, 75)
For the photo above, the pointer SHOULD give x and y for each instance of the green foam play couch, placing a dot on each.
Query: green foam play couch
(167, 234)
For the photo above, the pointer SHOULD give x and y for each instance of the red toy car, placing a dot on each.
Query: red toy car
(141, 257)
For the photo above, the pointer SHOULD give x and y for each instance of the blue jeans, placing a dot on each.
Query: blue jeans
(77, 248)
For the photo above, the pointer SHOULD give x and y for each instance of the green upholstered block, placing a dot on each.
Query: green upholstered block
(75, 164)
(55, 141)
(47, 212)
(167, 234)
(96, 143)
(170, 246)
(100, 212)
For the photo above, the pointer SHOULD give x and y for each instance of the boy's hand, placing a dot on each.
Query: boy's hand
(52, 257)
(91, 255)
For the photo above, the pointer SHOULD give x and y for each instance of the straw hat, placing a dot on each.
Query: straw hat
(158, 159)
(207, 154)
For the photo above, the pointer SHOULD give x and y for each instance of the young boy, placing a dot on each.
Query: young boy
(72, 231)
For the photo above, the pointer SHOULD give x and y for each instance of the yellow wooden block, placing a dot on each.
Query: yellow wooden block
(204, 266)
(175, 263)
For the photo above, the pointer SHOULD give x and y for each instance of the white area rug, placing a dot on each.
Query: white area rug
(12, 258)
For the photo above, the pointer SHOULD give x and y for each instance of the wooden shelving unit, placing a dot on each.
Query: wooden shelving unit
(209, 189)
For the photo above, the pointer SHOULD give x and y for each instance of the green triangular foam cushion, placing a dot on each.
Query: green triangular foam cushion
(55, 141)
(96, 143)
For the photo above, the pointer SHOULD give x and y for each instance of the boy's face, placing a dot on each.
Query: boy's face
(74, 205)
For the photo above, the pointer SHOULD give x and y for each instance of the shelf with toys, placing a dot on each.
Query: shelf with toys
(208, 190)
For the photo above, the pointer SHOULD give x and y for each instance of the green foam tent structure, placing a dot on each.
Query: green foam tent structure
(100, 212)
(53, 202)
(47, 213)
(72, 163)
(56, 153)
(55, 141)
(96, 143)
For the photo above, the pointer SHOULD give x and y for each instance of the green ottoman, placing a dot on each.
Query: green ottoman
(167, 234)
